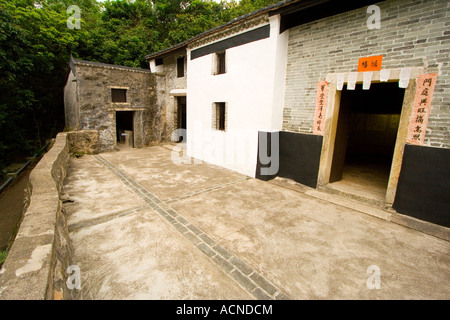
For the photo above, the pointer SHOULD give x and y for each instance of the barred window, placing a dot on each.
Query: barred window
(220, 63)
(219, 116)
(119, 95)
(180, 67)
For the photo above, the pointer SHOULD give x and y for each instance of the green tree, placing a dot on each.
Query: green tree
(197, 17)
(35, 48)
(15, 100)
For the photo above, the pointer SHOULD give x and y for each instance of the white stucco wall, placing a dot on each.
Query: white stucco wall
(253, 89)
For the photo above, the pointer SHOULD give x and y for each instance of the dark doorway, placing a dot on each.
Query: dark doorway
(365, 137)
(181, 116)
(124, 127)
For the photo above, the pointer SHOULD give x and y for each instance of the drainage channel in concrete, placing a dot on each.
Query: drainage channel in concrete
(249, 279)
(126, 250)
(143, 228)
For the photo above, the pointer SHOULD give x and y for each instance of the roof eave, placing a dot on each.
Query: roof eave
(231, 23)
(176, 47)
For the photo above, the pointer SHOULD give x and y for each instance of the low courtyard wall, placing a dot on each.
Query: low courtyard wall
(36, 266)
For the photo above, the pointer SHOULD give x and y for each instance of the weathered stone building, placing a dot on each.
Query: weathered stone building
(112, 99)
(344, 104)
(170, 85)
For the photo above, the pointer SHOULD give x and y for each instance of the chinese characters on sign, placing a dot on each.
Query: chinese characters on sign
(370, 63)
(321, 108)
(421, 108)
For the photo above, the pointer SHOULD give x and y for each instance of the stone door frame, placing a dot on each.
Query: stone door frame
(138, 133)
(334, 99)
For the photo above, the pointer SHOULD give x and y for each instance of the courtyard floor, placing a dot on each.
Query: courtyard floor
(143, 227)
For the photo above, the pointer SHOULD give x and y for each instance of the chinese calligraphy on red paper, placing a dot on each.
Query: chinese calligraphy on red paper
(321, 108)
(421, 108)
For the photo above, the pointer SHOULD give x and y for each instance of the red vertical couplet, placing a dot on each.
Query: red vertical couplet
(421, 108)
(321, 108)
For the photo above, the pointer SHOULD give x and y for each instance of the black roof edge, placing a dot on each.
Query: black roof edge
(180, 45)
(285, 7)
(298, 6)
(312, 10)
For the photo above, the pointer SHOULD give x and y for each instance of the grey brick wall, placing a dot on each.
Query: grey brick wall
(414, 33)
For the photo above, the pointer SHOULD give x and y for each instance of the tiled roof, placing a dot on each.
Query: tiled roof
(73, 62)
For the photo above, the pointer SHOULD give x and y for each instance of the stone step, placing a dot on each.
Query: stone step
(329, 188)
(388, 215)
(350, 203)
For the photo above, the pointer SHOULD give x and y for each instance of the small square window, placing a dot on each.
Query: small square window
(159, 61)
(219, 116)
(119, 95)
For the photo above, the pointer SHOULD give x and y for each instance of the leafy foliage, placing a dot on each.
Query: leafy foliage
(3, 255)
(36, 44)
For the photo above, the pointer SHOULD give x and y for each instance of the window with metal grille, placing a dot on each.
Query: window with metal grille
(119, 95)
(220, 63)
(180, 67)
(220, 116)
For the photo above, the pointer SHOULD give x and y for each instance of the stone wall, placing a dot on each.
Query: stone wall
(98, 112)
(71, 110)
(84, 142)
(166, 100)
(36, 266)
(413, 33)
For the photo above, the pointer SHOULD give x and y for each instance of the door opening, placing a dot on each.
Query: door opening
(365, 139)
(124, 128)
(181, 116)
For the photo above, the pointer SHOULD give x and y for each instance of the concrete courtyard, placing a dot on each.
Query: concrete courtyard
(143, 227)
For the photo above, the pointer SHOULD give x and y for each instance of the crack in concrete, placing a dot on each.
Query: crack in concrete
(205, 190)
(105, 218)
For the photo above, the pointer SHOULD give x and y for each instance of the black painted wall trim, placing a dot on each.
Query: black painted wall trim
(299, 157)
(240, 39)
(423, 189)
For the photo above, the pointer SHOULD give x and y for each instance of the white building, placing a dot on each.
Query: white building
(293, 80)
(234, 88)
